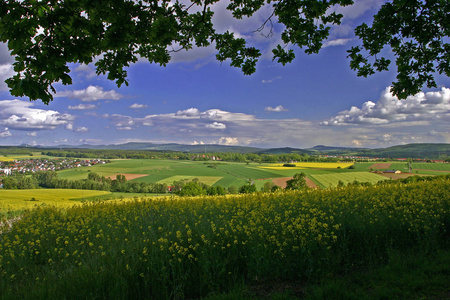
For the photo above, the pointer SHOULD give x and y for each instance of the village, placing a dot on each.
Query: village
(28, 166)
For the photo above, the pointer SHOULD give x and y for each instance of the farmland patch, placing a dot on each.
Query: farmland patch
(26, 199)
(380, 166)
(209, 180)
(282, 182)
(308, 165)
(129, 176)
(332, 179)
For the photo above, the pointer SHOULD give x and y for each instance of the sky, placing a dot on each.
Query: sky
(316, 100)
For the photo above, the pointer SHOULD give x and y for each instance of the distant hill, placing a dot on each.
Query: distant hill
(167, 147)
(430, 151)
(285, 150)
(322, 148)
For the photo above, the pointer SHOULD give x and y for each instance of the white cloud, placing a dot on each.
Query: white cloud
(216, 125)
(83, 106)
(6, 71)
(228, 141)
(34, 133)
(389, 109)
(138, 106)
(336, 42)
(81, 129)
(86, 70)
(279, 108)
(198, 143)
(5, 133)
(271, 80)
(190, 112)
(359, 8)
(20, 115)
(91, 93)
(124, 128)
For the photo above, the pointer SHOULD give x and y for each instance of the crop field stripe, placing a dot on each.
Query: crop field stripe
(209, 180)
(332, 180)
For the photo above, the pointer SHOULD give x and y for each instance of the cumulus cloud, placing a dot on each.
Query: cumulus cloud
(216, 125)
(21, 115)
(228, 141)
(389, 109)
(83, 106)
(86, 70)
(82, 129)
(5, 133)
(279, 108)
(138, 106)
(34, 133)
(190, 112)
(91, 93)
(6, 71)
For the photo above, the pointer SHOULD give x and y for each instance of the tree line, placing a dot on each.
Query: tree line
(183, 187)
(210, 156)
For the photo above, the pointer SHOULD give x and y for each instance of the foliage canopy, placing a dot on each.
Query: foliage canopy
(44, 36)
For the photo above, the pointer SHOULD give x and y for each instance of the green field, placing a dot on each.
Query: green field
(331, 180)
(237, 174)
(223, 174)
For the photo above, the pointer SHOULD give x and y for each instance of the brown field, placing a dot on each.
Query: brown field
(380, 166)
(128, 176)
(282, 182)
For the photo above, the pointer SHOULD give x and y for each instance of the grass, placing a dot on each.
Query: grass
(403, 276)
(237, 174)
(331, 180)
(224, 174)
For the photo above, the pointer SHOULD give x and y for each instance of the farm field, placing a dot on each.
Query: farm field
(196, 247)
(332, 180)
(310, 165)
(237, 174)
(6, 158)
(18, 200)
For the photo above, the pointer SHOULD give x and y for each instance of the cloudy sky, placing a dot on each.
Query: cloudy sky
(316, 100)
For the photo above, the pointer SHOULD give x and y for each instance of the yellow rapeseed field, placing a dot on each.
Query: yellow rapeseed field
(177, 248)
(309, 165)
(25, 199)
(4, 158)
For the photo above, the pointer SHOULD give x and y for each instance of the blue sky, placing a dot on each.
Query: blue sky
(315, 100)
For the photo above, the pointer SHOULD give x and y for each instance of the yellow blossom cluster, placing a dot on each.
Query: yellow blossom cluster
(182, 247)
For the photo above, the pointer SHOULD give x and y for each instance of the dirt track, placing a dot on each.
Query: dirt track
(282, 182)
(128, 176)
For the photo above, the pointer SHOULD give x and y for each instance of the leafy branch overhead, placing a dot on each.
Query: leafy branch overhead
(45, 36)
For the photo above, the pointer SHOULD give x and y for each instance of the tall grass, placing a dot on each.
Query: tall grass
(190, 247)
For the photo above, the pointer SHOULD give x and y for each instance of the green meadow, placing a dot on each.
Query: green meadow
(332, 179)
(237, 174)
